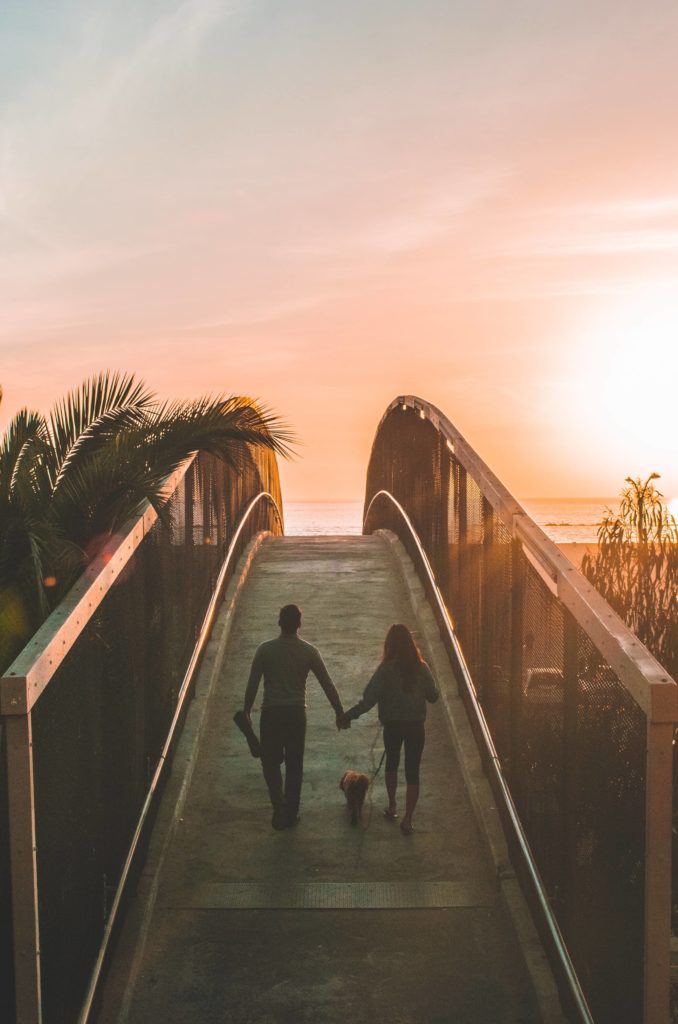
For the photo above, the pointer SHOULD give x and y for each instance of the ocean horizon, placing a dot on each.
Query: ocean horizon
(564, 520)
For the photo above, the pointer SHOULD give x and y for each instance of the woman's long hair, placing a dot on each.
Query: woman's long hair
(401, 650)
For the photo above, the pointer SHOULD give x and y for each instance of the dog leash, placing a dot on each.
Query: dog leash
(368, 794)
(378, 768)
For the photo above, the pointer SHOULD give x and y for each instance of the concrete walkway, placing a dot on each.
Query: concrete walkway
(322, 923)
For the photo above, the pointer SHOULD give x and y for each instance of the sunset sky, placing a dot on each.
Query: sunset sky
(326, 205)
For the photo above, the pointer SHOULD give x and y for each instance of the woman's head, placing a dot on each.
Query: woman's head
(399, 646)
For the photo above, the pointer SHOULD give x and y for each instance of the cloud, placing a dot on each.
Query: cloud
(619, 228)
(170, 44)
(633, 208)
(410, 222)
(258, 315)
(596, 243)
(93, 91)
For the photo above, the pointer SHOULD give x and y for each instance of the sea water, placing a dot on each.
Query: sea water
(564, 520)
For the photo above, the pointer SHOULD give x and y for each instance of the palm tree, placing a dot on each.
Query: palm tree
(636, 567)
(77, 475)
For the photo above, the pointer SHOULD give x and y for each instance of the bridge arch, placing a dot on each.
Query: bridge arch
(573, 716)
(91, 710)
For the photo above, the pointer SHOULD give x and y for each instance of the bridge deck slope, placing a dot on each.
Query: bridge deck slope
(321, 923)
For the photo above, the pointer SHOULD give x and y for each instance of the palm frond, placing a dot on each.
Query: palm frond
(220, 426)
(98, 434)
(102, 488)
(102, 493)
(89, 414)
(26, 431)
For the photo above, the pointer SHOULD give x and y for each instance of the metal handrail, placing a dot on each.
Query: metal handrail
(491, 758)
(183, 693)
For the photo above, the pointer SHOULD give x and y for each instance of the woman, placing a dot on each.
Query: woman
(401, 685)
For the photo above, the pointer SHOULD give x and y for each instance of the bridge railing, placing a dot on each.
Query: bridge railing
(580, 716)
(90, 711)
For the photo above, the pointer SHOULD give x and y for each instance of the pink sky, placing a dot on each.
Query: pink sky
(327, 205)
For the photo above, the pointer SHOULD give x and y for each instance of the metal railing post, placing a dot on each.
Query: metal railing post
(24, 868)
(659, 783)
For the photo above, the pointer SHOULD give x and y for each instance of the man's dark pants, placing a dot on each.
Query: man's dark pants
(283, 733)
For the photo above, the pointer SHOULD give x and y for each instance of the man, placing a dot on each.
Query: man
(285, 663)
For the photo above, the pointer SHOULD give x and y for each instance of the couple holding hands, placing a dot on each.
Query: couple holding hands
(401, 686)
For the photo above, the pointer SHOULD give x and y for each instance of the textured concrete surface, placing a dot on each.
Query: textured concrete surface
(206, 959)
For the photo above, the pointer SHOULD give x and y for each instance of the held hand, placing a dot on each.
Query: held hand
(343, 721)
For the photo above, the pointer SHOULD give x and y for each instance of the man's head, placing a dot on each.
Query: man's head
(289, 619)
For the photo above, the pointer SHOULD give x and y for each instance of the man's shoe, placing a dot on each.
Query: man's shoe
(280, 817)
(292, 820)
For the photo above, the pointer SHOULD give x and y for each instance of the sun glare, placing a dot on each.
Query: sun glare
(625, 390)
(673, 508)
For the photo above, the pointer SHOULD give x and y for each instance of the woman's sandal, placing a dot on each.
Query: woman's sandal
(406, 830)
(390, 815)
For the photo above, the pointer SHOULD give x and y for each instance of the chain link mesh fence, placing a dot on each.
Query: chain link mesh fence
(570, 739)
(101, 724)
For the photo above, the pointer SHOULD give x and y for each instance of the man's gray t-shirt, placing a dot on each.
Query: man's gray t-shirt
(285, 663)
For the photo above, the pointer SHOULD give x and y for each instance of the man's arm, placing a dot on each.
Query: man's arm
(322, 675)
(430, 688)
(256, 673)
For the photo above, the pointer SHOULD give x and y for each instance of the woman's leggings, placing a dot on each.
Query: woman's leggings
(413, 735)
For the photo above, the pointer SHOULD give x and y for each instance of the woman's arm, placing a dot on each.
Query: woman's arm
(371, 696)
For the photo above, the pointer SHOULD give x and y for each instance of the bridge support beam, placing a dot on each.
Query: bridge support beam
(23, 861)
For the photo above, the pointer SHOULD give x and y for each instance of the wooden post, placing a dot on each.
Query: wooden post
(460, 611)
(659, 783)
(487, 621)
(189, 493)
(516, 695)
(18, 729)
(187, 584)
(570, 771)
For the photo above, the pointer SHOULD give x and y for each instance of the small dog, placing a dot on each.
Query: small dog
(355, 786)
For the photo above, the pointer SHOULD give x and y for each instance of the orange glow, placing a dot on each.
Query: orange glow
(623, 404)
(411, 200)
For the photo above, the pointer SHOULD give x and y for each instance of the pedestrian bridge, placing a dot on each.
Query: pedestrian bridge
(144, 879)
